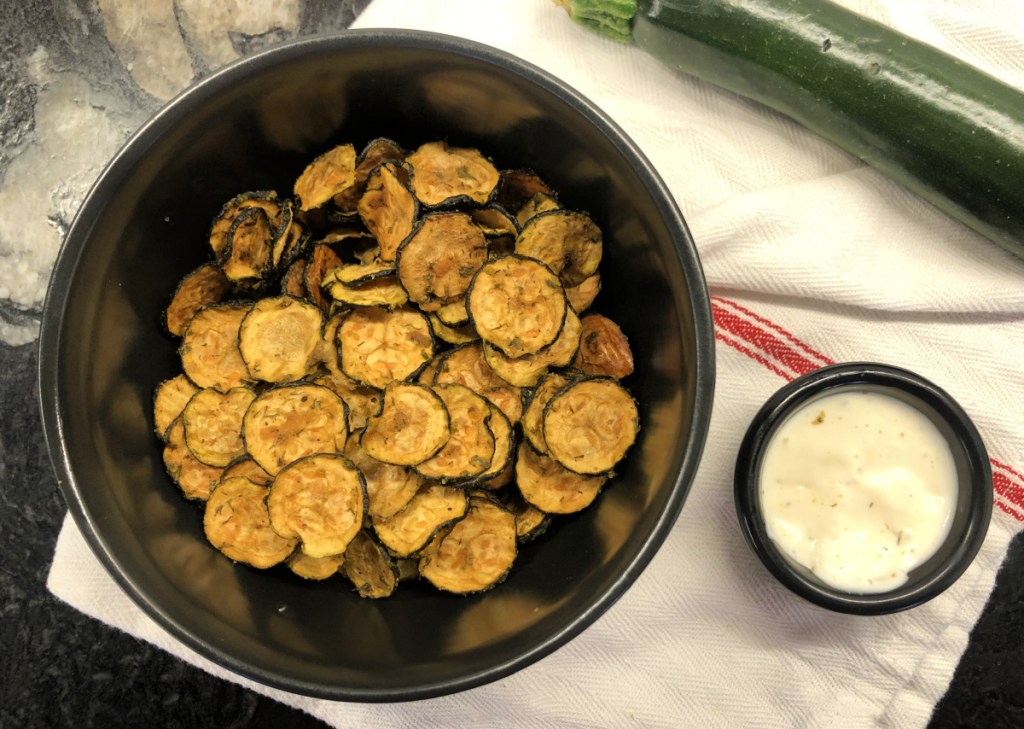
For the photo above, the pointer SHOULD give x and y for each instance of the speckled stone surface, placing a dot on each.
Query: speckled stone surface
(80, 67)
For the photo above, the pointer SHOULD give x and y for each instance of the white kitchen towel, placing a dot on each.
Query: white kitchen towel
(811, 258)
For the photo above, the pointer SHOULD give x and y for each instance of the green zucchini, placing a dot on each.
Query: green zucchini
(944, 129)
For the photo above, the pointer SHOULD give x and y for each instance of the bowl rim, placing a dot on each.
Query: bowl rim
(923, 586)
(162, 121)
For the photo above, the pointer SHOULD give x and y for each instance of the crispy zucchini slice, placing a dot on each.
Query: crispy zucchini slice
(195, 479)
(582, 295)
(547, 485)
(446, 175)
(250, 240)
(465, 365)
(504, 445)
(370, 568)
(326, 176)
(314, 568)
(541, 202)
(454, 314)
(452, 335)
(533, 415)
(374, 153)
(378, 346)
(517, 304)
(320, 500)
(590, 424)
(412, 425)
(439, 258)
(568, 241)
(209, 348)
(169, 400)
(527, 370)
(237, 523)
(531, 522)
(293, 281)
(389, 488)
(604, 349)
(213, 424)
(476, 554)
(280, 339)
(205, 285)
(322, 260)
(289, 422)
(388, 208)
(468, 453)
(265, 200)
(386, 292)
(362, 402)
(434, 507)
(518, 186)
(496, 221)
(353, 274)
(246, 467)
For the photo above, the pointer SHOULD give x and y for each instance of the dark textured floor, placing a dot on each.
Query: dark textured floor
(59, 668)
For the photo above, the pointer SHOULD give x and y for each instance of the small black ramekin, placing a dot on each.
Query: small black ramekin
(974, 475)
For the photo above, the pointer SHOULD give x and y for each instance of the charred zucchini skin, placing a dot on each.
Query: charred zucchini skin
(945, 130)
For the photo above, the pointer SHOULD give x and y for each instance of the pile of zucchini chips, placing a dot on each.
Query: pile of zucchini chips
(394, 373)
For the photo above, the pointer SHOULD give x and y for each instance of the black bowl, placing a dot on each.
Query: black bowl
(974, 479)
(253, 126)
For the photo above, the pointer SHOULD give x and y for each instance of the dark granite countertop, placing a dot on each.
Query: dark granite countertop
(59, 667)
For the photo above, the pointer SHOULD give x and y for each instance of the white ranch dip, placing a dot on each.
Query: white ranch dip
(860, 488)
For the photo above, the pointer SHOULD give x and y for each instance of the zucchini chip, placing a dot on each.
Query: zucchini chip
(237, 523)
(504, 446)
(518, 186)
(541, 202)
(378, 346)
(582, 295)
(476, 554)
(412, 426)
(439, 258)
(604, 349)
(289, 422)
(448, 175)
(362, 402)
(326, 176)
(280, 339)
(432, 508)
(353, 274)
(213, 424)
(169, 400)
(250, 240)
(386, 292)
(389, 488)
(209, 347)
(315, 568)
(547, 485)
(371, 569)
(195, 479)
(452, 335)
(322, 260)
(531, 522)
(567, 241)
(265, 200)
(320, 500)
(388, 208)
(205, 285)
(468, 453)
(496, 221)
(527, 370)
(533, 415)
(589, 425)
(246, 467)
(293, 282)
(517, 304)
(465, 365)
(374, 153)
(454, 314)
